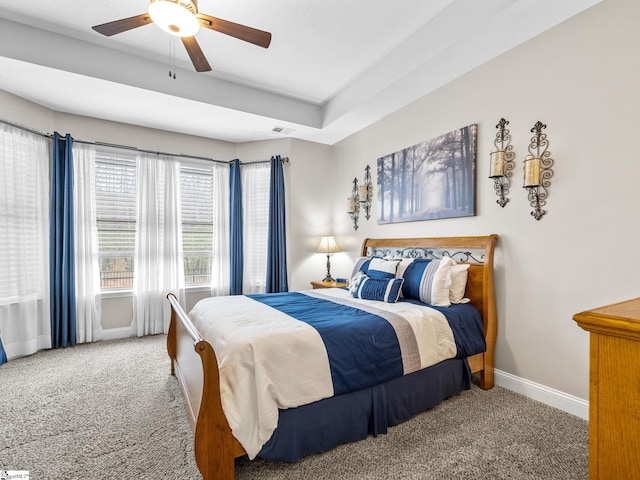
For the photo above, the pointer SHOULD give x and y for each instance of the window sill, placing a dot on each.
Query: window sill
(129, 293)
(116, 293)
(197, 288)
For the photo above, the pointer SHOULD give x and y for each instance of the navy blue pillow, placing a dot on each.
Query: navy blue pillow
(365, 266)
(413, 278)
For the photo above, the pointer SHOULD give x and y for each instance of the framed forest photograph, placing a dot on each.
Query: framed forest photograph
(430, 180)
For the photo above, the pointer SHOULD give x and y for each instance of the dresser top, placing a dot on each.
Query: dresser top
(620, 319)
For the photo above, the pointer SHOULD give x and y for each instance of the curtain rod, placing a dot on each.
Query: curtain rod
(127, 147)
(253, 162)
(136, 149)
(20, 127)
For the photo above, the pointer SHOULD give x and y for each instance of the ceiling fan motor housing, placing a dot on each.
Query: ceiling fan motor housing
(191, 5)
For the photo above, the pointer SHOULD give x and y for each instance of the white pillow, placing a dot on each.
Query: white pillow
(458, 285)
(441, 283)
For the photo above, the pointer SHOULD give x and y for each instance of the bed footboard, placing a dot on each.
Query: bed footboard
(195, 366)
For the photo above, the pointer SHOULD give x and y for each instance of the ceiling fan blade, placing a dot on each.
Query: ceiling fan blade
(195, 53)
(119, 26)
(248, 34)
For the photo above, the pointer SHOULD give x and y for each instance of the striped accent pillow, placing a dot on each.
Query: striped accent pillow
(375, 267)
(427, 280)
(382, 268)
(382, 290)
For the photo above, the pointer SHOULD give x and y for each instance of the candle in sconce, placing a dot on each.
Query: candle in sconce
(532, 172)
(351, 204)
(497, 164)
(364, 193)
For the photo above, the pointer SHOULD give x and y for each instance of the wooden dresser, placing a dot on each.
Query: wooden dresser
(614, 389)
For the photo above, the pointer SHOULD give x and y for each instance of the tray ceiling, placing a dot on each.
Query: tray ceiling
(333, 67)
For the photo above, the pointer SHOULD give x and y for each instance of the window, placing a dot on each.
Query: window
(117, 213)
(196, 199)
(255, 199)
(201, 200)
(24, 223)
(116, 217)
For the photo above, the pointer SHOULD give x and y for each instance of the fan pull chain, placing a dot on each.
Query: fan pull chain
(172, 58)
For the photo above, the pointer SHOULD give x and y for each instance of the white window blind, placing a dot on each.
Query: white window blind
(116, 217)
(24, 222)
(197, 203)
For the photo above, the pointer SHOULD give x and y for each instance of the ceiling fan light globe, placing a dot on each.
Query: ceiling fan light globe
(174, 18)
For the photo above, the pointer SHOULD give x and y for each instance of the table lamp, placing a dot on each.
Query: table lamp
(328, 246)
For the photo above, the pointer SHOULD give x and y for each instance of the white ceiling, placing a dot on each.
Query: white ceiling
(333, 66)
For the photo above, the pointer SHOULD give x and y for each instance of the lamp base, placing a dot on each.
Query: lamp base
(328, 278)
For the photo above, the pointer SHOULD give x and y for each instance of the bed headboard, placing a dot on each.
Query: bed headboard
(476, 251)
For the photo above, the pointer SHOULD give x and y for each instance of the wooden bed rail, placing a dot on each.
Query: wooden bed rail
(195, 335)
(194, 363)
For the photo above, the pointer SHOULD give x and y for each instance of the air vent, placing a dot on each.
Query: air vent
(282, 130)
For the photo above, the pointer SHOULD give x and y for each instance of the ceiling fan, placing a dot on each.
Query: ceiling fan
(182, 19)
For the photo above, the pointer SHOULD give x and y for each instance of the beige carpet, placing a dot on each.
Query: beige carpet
(111, 410)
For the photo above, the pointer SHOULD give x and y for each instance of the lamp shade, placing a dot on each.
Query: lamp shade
(174, 18)
(328, 245)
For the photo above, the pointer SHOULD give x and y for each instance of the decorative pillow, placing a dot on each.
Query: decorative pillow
(382, 290)
(427, 280)
(354, 283)
(402, 266)
(459, 277)
(382, 268)
(362, 263)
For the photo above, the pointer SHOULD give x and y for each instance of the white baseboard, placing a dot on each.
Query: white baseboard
(555, 398)
(116, 333)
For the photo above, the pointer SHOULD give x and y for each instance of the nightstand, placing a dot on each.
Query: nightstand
(320, 284)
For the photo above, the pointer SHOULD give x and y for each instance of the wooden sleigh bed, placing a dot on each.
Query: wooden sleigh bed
(194, 362)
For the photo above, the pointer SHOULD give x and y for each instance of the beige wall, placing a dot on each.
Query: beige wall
(582, 79)
(25, 113)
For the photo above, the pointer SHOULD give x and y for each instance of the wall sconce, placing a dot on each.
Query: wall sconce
(502, 164)
(328, 246)
(366, 192)
(353, 205)
(537, 170)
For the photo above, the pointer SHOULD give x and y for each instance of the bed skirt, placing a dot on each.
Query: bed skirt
(333, 421)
